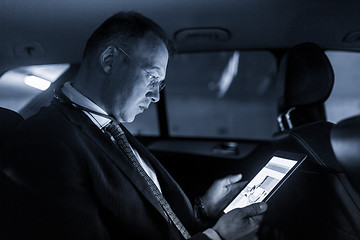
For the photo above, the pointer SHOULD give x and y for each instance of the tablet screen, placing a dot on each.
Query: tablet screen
(265, 183)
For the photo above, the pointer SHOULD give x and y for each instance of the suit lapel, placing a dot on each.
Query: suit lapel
(173, 193)
(114, 154)
(160, 170)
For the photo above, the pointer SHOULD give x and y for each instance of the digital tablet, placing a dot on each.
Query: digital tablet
(268, 179)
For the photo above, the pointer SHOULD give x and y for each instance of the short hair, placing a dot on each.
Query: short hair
(127, 26)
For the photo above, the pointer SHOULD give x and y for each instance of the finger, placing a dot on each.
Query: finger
(238, 185)
(235, 188)
(257, 219)
(233, 178)
(255, 209)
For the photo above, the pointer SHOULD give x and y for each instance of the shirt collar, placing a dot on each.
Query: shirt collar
(75, 96)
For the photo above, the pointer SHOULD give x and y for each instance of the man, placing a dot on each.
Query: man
(71, 176)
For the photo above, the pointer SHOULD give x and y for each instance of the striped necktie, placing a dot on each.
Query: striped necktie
(118, 134)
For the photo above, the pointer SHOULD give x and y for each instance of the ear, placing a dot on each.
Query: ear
(107, 59)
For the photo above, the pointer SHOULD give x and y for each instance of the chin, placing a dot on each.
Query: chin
(132, 119)
(128, 119)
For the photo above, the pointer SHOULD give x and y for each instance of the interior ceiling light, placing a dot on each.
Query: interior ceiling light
(37, 82)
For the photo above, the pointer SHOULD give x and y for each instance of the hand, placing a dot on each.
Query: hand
(241, 223)
(220, 194)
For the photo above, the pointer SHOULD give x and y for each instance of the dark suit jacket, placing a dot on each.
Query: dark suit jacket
(63, 178)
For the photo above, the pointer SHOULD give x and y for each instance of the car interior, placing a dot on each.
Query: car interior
(248, 78)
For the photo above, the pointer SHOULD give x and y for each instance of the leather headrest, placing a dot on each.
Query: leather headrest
(345, 141)
(8, 120)
(307, 74)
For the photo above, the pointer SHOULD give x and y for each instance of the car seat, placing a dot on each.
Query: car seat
(313, 197)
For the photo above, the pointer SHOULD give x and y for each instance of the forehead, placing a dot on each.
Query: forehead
(151, 51)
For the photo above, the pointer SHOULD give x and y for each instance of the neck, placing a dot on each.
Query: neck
(88, 83)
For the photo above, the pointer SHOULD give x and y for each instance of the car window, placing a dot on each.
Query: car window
(218, 95)
(230, 94)
(344, 100)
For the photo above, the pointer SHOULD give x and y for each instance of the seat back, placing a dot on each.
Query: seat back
(316, 197)
(330, 181)
(308, 80)
(8, 121)
(345, 142)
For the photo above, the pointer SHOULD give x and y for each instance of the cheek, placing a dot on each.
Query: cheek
(136, 91)
(128, 103)
(127, 96)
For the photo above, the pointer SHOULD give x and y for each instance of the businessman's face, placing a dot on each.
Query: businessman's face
(136, 76)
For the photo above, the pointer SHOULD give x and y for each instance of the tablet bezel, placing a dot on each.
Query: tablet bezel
(299, 157)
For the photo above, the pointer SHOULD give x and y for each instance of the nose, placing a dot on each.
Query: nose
(154, 94)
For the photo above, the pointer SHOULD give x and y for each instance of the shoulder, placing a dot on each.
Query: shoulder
(54, 123)
(48, 132)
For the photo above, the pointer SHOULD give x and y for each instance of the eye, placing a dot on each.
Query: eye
(156, 83)
(154, 78)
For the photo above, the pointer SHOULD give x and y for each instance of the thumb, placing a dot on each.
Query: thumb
(255, 209)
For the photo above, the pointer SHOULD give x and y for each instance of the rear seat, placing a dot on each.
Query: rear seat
(309, 205)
